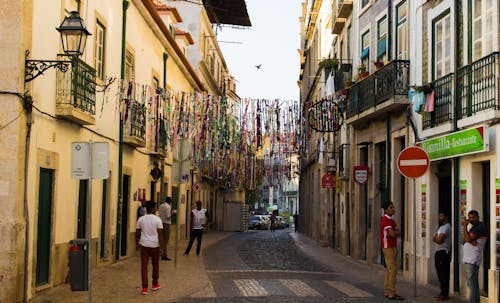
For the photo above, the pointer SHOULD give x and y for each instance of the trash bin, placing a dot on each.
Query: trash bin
(78, 265)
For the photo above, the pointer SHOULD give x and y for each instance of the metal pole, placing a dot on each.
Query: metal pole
(414, 238)
(89, 225)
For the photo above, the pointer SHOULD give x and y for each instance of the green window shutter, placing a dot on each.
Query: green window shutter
(365, 53)
(381, 47)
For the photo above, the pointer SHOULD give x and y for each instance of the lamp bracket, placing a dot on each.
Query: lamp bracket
(35, 68)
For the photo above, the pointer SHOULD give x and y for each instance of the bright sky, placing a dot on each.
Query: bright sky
(272, 41)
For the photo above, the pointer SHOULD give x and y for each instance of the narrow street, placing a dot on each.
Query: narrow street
(265, 266)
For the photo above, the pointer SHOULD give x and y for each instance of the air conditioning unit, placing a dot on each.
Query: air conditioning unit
(331, 165)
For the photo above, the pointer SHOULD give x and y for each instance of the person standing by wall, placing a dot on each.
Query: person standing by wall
(148, 240)
(165, 212)
(474, 241)
(199, 217)
(296, 221)
(389, 233)
(442, 259)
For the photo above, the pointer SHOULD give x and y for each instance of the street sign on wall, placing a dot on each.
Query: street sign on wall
(464, 142)
(413, 162)
(360, 174)
(328, 181)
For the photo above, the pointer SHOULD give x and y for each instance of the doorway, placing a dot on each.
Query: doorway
(486, 220)
(44, 226)
(445, 188)
(125, 215)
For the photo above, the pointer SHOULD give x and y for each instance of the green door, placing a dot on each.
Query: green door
(44, 226)
(104, 217)
(82, 209)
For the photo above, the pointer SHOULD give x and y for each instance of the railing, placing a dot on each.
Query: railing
(135, 124)
(391, 80)
(478, 86)
(443, 100)
(77, 87)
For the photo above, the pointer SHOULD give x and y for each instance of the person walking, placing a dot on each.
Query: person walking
(199, 217)
(389, 233)
(165, 212)
(474, 242)
(148, 240)
(296, 221)
(442, 259)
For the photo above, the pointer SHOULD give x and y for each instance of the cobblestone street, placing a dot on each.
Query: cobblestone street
(264, 266)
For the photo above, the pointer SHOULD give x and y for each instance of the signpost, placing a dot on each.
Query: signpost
(413, 162)
(89, 160)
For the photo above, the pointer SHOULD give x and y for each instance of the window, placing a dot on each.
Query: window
(129, 67)
(156, 82)
(100, 36)
(442, 46)
(402, 31)
(364, 3)
(483, 32)
(365, 48)
(382, 39)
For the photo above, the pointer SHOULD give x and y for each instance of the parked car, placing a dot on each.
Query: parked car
(257, 222)
(281, 223)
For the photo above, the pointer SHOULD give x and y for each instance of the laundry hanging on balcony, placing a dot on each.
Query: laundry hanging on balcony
(429, 98)
(417, 97)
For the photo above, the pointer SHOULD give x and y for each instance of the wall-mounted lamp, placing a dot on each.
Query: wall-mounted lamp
(73, 37)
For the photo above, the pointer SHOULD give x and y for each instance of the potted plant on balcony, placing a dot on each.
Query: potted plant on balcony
(378, 64)
(329, 64)
(362, 72)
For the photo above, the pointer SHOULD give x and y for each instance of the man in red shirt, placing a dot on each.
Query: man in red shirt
(389, 233)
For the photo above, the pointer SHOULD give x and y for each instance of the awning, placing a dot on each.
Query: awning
(365, 53)
(231, 12)
(381, 47)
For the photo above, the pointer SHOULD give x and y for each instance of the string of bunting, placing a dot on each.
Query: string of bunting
(230, 138)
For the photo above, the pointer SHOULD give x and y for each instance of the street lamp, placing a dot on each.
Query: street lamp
(73, 37)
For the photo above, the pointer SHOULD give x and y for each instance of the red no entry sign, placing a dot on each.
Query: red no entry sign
(413, 162)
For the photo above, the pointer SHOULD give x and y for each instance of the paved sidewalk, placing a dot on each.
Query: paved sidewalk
(121, 282)
(373, 274)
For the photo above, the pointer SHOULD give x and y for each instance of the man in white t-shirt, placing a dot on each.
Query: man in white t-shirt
(199, 218)
(442, 259)
(148, 240)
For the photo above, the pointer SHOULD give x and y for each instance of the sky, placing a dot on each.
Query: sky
(273, 41)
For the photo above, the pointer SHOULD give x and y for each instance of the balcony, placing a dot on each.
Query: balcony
(134, 127)
(344, 8)
(384, 91)
(157, 145)
(76, 93)
(443, 100)
(338, 25)
(479, 91)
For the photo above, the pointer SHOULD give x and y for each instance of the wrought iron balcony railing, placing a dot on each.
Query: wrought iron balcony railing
(479, 86)
(76, 93)
(443, 100)
(390, 81)
(134, 129)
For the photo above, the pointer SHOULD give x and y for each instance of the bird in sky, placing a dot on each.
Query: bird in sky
(258, 66)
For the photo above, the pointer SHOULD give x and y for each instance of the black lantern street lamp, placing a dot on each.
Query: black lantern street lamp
(74, 35)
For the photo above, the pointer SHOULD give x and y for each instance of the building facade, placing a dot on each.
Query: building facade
(403, 73)
(133, 80)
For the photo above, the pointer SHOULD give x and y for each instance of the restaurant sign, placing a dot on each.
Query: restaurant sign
(464, 142)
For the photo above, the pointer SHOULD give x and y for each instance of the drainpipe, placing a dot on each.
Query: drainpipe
(456, 160)
(388, 163)
(162, 179)
(120, 144)
(28, 106)
(389, 32)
